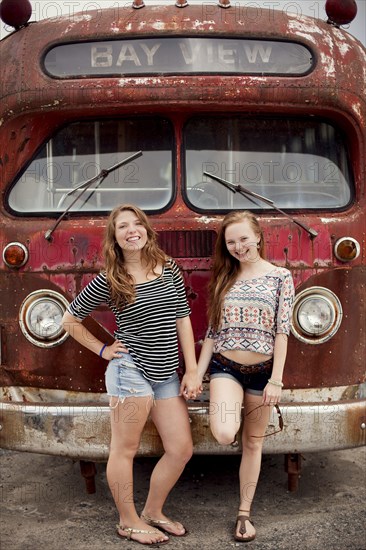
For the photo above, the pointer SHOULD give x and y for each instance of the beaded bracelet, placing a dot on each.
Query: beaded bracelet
(275, 382)
(101, 351)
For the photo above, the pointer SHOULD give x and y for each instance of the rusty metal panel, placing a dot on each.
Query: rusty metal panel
(83, 431)
(33, 106)
(69, 366)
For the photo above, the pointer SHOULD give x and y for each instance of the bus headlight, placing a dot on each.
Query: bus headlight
(40, 318)
(317, 315)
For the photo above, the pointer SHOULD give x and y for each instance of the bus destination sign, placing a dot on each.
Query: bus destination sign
(172, 55)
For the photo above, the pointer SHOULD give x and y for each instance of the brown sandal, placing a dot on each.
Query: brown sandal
(130, 531)
(242, 519)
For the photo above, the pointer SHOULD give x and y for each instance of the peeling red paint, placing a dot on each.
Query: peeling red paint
(33, 104)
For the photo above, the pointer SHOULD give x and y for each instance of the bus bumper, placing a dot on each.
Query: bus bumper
(82, 431)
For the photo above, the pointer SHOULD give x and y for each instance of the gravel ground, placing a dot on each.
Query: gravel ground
(44, 504)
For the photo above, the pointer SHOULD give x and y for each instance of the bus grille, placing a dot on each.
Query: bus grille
(188, 244)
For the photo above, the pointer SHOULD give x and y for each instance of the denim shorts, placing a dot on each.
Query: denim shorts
(253, 383)
(123, 379)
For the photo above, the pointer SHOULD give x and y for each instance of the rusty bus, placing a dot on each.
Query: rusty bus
(261, 99)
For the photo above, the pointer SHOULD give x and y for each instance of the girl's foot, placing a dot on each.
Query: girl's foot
(244, 529)
(142, 533)
(165, 524)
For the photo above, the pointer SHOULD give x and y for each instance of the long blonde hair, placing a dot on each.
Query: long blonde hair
(120, 281)
(226, 267)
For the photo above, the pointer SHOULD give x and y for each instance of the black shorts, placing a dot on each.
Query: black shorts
(251, 382)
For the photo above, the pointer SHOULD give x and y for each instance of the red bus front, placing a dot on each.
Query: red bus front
(261, 99)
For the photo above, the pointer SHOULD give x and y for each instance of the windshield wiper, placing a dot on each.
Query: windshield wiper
(86, 185)
(248, 193)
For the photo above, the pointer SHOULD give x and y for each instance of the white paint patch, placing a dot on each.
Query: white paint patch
(159, 25)
(330, 220)
(328, 64)
(328, 60)
(206, 220)
(344, 49)
(199, 24)
(362, 52)
(143, 81)
(357, 109)
(68, 29)
(305, 30)
(81, 18)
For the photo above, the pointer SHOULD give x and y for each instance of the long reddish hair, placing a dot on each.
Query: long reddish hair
(226, 267)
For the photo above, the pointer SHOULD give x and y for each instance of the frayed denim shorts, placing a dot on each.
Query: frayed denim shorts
(253, 383)
(123, 379)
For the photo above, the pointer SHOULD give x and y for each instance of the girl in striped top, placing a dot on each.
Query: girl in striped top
(145, 291)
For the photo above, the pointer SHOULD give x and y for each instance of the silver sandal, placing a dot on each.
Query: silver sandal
(130, 531)
(159, 523)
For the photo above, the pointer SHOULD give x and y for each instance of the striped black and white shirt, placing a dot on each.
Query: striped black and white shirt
(147, 327)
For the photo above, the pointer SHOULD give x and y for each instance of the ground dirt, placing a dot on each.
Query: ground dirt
(44, 504)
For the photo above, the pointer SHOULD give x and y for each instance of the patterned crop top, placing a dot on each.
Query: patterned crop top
(254, 311)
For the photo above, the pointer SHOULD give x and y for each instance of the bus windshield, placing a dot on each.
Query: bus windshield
(296, 163)
(79, 151)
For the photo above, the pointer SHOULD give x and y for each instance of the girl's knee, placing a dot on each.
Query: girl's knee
(181, 453)
(223, 435)
(123, 450)
(252, 444)
(187, 454)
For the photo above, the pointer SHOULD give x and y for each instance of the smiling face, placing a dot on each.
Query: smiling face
(130, 233)
(242, 241)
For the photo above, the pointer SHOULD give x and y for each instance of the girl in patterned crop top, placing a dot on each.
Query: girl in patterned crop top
(245, 347)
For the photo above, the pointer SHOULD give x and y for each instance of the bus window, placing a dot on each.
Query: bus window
(298, 164)
(79, 151)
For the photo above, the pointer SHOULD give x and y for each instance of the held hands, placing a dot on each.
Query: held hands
(112, 351)
(191, 386)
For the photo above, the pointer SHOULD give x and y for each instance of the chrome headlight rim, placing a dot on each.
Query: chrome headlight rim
(353, 242)
(23, 248)
(331, 300)
(35, 299)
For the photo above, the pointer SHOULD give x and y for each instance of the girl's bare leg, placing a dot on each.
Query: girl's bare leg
(170, 417)
(128, 419)
(226, 399)
(255, 424)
